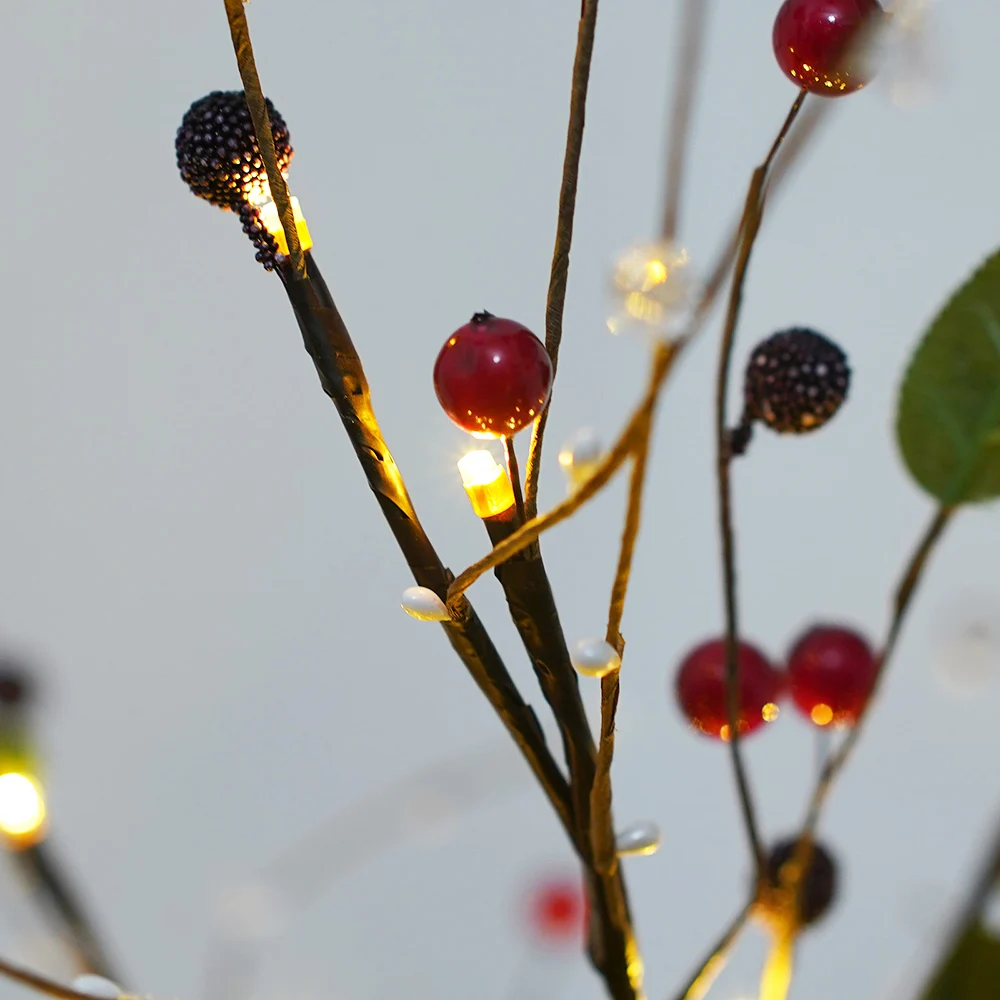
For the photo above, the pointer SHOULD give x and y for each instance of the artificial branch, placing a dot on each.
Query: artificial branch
(240, 32)
(602, 832)
(708, 969)
(38, 863)
(41, 984)
(559, 274)
(750, 226)
(905, 591)
(690, 49)
(342, 376)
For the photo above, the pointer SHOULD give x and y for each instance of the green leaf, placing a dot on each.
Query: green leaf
(970, 972)
(948, 421)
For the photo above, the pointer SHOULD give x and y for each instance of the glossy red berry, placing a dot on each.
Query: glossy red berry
(493, 376)
(813, 42)
(701, 689)
(557, 911)
(831, 670)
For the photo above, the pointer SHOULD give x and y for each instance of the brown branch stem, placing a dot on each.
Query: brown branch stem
(714, 962)
(750, 226)
(602, 833)
(905, 590)
(41, 984)
(559, 274)
(690, 49)
(343, 379)
(240, 32)
(40, 867)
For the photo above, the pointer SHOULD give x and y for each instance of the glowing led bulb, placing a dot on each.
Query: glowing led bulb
(271, 221)
(22, 807)
(424, 605)
(486, 483)
(638, 839)
(581, 455)
(97, 986)
(651, 288)
(595, 657)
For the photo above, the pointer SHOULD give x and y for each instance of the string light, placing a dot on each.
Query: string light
(22, 808)
(97, 986)
(486, 483)
(651, 288)
(595, 657)
(581, 455)
(639, 839)
(424, 605)
(271, 221)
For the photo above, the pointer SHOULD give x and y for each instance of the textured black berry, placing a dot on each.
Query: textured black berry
(217, 151)
(267, 246)
(795, 381)
(818, 888)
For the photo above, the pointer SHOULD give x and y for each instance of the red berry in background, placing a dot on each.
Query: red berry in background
(813, 42)
(831, 670)
(557, 912)
(701, 689)
(493, 376)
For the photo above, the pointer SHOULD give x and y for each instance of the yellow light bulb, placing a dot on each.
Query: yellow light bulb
(821, 714)
(22, 807)
(486, 483)
(270, 220)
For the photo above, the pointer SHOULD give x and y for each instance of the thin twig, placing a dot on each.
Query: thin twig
(907, 587)
(514, 474)
(752, 215)
(39, 865)
(42, 984)
(690, 49)
(602, 832)
(715, 961)
(559, 274)
(240, 32)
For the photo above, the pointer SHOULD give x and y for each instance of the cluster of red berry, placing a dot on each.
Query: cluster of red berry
(828, 673)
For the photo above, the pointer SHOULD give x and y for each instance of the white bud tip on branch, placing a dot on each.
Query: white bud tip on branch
(97, 986)
(594, 657)
(424, 605)
(638, 839)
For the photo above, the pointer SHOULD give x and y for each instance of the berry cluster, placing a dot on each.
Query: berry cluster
(795, 381)
(829, 674)
(219, 160)
(217, 151)
(267, 246)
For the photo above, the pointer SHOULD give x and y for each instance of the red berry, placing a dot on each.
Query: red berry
(558, 911)
(701, 689)
(493, 376)
(831, 671)
(813, 40)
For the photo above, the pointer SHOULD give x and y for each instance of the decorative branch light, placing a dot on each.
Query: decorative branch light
(486, 483)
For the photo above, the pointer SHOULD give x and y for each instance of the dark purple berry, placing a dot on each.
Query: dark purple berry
(16, 687)
(818, 887)
(795, 381)
(217, 151)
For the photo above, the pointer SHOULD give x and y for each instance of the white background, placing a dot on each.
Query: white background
(190, 553)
